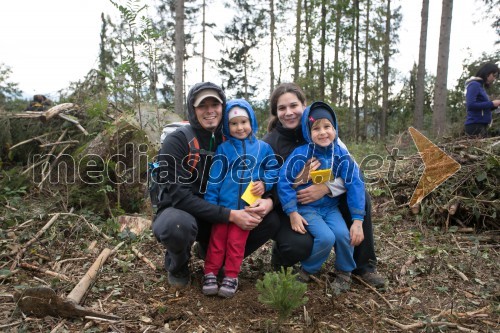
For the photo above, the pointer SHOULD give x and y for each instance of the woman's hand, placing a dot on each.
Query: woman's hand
(260, 207)
(258, 188)
(298, 223)
(312, 193)
(356, 232)
(305, 174)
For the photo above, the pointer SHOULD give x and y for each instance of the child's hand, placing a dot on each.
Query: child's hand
(305, 174)
(258, 188)
(298, 223)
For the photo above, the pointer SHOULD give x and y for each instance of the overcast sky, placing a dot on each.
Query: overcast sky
(50, 43)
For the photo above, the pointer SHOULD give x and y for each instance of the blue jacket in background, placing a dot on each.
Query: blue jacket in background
(335, 157)
(237, 162)
(478, 103)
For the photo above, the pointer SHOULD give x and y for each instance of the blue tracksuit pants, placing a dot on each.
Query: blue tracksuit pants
(328, 229)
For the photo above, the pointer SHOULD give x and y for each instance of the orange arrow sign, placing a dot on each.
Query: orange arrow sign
(438, 166)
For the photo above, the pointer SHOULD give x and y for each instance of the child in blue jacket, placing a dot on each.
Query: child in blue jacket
(322, 218)
(239, 161)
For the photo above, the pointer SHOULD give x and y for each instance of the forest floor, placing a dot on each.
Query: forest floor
(438, 282)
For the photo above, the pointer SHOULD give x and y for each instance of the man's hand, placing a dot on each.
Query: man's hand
(245, 220)
(260, 207)
(258, 188)
(305, 174)
(312, 193)
(356, 232)
(298, 223)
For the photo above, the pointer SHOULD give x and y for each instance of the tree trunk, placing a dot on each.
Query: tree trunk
(441, 92)
(309, 47)
(271, 67)
(365, 84)
(418, 120)
(385, 75)
(351, 76)
(336, 67)
(296, 60)
(323, 45)
(203, 25)
(179, 57)
(358, 72)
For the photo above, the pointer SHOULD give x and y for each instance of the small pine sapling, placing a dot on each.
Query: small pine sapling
(282, 291)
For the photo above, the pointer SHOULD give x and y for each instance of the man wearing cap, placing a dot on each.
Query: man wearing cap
(183, 216)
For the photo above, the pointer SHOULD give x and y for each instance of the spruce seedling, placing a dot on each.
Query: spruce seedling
(282, 291)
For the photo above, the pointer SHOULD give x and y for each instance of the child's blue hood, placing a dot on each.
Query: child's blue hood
(306, 131)
(244, 105)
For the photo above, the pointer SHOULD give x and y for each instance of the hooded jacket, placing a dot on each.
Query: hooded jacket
(335, 157)
(181, 188)
(478, 103)
(239, 161)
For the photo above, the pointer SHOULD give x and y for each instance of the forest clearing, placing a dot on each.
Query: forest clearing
(77, 249)
(441, 261)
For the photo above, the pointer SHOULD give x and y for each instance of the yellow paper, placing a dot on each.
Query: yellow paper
(321, 176)
(248, 196)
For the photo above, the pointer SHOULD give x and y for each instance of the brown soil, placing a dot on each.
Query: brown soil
(423, 264)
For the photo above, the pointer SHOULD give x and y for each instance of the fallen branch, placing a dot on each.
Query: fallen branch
(91, 226)
(59, 143)
(143, 258)
(29, 140)
(61, 323)
(373, 289)
(34, 239)
(11, 324)
(462, 275)
(46, 160)
(422, 325)
(52, 166)
(45, 271)
(53, 111)
(74, 121)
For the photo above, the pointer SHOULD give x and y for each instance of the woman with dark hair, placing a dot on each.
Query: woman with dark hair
(477, 101)
(287, 103)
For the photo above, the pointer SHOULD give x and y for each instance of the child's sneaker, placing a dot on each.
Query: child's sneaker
(228, 287)
(210, 286)
(342, 282)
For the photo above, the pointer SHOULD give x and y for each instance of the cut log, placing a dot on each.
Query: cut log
(53, 111)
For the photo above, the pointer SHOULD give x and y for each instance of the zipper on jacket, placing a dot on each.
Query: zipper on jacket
(212, 140)
(240, 188)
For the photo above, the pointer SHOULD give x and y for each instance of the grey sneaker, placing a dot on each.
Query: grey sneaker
(374, 279)
(303, 276)
(342, 282)
(228, 287)
(180, 278)
(210, 287)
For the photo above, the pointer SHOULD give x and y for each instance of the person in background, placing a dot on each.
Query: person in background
(39, 103)
(239, 162)
(287, 103)
(479, 106)
(322, 218)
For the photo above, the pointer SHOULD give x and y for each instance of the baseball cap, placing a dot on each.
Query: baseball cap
(205, 94)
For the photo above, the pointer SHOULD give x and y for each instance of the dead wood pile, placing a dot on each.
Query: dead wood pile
(468, 199)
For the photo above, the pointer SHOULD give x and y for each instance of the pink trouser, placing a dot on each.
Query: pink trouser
(226, 247)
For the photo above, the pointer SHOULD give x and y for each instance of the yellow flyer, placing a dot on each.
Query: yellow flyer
(321, 176)
(248, 196)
